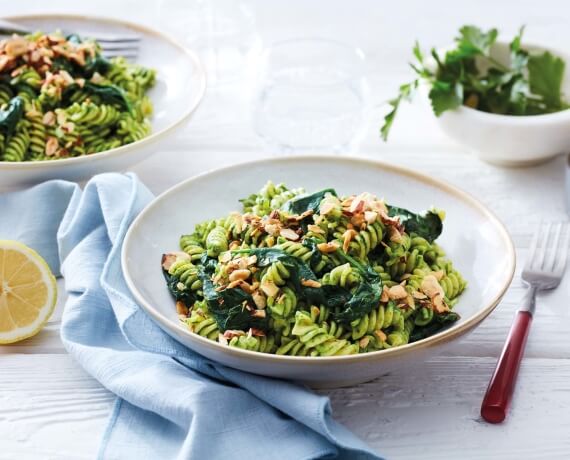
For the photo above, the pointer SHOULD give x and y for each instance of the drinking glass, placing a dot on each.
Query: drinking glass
(311, 96)
(222, 32)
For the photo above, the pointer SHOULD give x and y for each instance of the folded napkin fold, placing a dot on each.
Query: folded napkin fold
(171, 402)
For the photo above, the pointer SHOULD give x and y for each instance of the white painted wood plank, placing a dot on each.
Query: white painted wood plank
(49, 408)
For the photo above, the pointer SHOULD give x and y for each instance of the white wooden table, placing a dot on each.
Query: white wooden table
(51, 409)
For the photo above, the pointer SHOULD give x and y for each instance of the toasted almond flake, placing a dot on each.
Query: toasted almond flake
(5, 61)
(381, 335)
(259, 299)
(258, 313)
(439, 304)
(363, 342)
(234, 245)
(238, 222)
(310, 283)
(222, 339)
(438, 275)
(329, 247)
(256, 332)
(51, 146)
(419, 295)
(347, 238)
(397, 292)
(231, 333)
(315, 229)
(181, 308)
(251, 260)
(269, 288)
(289, 234)
(68, 126)
(61, 117)
(225, 257)
(411, 303)
(272, 229)
(431, 287)
(171, 257)
(245, 286)
(370, 216)
(16, 46)
(358, 220)
(395, 235)
(385, 296)
(326, 208)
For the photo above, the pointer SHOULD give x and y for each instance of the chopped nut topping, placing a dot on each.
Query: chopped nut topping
(269, 288)
(52, 146)
(370, 216)
(171, 257)
(241, 274)
(385, 296)
(222, 339)
(397, 292)
(431, 287)
(380, 334)
(315, 229)
(329, 247)
(363, 342)
(16, 46)
(49, 118)
(326, 208)
(259, 300)
(347, 238)
(258, 313)
(231, 333)
(310, 283)
(289, 234)
(181, 308)
(256, 332)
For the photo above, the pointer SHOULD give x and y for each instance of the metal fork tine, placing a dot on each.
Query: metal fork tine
(544, 246)
(533, 245)
(119, 47)
(125, 39)
(553, 252)
(563, 251)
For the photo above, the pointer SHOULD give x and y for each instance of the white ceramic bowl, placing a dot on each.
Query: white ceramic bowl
(510, 140)
(180, 86)
(475, 240)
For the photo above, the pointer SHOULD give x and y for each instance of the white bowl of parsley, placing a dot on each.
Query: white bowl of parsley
(505, 101)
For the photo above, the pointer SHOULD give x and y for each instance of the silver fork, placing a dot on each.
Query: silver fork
(543, 270)
(112, 45)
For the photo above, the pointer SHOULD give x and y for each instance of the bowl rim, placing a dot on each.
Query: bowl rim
(440, 338)
(154, 136)
(540, 119)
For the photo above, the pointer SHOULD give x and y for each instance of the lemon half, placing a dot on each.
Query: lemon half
(28, 292)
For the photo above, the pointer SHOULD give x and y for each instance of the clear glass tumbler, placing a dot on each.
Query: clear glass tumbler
(311, 96)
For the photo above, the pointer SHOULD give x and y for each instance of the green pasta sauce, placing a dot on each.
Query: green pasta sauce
(314, 275)
(60, 98)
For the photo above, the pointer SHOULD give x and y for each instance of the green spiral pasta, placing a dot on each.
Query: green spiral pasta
(87, 103)
(313, 275)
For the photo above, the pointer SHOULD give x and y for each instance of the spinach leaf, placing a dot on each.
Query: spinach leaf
(366, 296)
(60, 63)
(109, 94)
(438, 323)
(427, 225)
(228, 306)
(307, 202)
(95, 64)
(346, 306)
(187, 296)
(11, 115)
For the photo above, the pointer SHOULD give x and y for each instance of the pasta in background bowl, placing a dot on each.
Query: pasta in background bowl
(473, 239)
(174, 96)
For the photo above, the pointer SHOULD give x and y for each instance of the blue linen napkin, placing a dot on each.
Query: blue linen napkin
(172, 402)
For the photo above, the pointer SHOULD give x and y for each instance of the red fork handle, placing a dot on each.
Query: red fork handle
(500, 391)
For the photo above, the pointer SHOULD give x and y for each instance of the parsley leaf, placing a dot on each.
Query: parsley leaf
(473, 41)
(445, 96)
(545, 73)
(405, 93)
